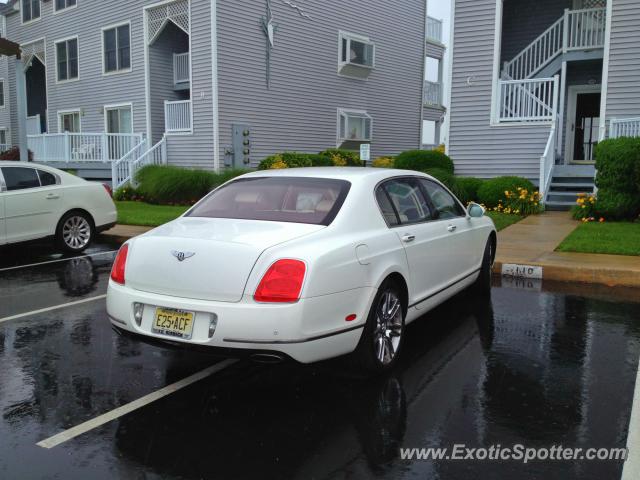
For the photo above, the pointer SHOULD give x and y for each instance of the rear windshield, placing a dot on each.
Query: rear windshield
(316, 201)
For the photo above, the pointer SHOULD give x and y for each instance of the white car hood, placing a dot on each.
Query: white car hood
(224, 253)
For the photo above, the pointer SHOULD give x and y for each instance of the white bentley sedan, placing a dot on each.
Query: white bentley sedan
(307, 263)
(39, 202)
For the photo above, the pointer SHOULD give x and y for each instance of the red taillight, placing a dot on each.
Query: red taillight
(108, 189)
(117, 271)
(282, 282)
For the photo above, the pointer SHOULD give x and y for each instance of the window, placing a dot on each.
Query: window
(119, 119)
(357, 56)
(30, 10)
(46, 178)
(314, 201)
(2, 100)
(386, 208)
(430, 133)
(62, 4)
(355, 126)
(20, 178)
(445, 204)
(69, 122)
(117, 48)
(3, 140)
(67, 59)
(408, 200)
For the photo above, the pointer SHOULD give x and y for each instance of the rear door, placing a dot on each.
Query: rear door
(31, 209)
(424, 240)
(453, 222)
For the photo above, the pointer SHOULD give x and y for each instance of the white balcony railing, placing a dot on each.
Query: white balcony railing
(181, 68)
(548, 159)
(585, 29)
(528, 100)
(432, 94)
(627, 127)
(434, 29)
(124, 170)
(81, 147)
(177, 116)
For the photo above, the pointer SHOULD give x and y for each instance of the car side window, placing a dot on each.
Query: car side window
(46, 178)
(444, 203)
(408, 200)
(20, 178)
(388, 212)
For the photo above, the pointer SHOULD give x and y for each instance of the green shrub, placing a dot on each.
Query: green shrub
(615, 205)
(444, 176)
(468, 189)
(383, 162)
(170, 185)
(126, 193)
(618, 164)
(318, 160)
(286, 160)
(422, 160)
(492, 192)
(342, 158)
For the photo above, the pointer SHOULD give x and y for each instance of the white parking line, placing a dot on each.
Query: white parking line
(631, 470)
(49, 309)
(130, 407)
(55, 261)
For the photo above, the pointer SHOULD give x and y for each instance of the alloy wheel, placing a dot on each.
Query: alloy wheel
(76, 232)
(388, 328)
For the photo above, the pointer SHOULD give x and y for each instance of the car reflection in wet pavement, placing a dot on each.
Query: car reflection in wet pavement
(538, 368)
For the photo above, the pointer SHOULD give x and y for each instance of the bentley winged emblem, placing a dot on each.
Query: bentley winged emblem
(182, 256)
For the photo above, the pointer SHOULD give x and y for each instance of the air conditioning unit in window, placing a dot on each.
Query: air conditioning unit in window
(357, 56)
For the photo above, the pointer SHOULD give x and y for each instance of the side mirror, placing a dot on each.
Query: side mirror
(475, 211)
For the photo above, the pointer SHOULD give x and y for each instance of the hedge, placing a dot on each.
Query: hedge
(175, 185)
(467, 188)
(618, 178)
(422, 160)
(329, 158)
(492, 192)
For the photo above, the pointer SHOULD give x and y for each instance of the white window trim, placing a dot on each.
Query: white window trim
(55, 52)
(60, 113)
(346, 111)
(56, 11)
(4, 94)
(115, 106)
(33, 20)
(102, 57)
(359, 38)
(7, 136)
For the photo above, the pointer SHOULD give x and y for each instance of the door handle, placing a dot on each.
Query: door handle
(452, 228)
(52, 196)
(408, 238)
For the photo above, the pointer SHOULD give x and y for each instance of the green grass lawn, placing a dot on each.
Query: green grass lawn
(616, 238)
(139, 213)
(503, 220)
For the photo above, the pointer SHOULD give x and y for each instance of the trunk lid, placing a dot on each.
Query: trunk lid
(217, 256)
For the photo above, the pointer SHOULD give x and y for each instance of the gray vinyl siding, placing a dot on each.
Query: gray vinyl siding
(623, 94)
(477, 148)
(435, 51)
(299, 112)
(93, 90)
(196, 150)
(525, 20)
(5, 112)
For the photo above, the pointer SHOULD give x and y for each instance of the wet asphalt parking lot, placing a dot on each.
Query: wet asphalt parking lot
(533, 365)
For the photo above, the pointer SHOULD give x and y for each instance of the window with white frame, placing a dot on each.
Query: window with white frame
(354, 126)
(62, 4)
(3, 140)
(69, 122)
(118, 119)
(67, 59)
(357, 55)
(30, 10)
(2, 89)
(117, 48)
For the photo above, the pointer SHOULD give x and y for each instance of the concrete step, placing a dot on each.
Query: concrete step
(559, 206)
(573, 185)
(572, 171)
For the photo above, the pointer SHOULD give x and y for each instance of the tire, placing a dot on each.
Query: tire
(483, 283)
(75, 232)
(383, 335)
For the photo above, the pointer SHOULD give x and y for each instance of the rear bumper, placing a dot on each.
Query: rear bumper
(310, 330)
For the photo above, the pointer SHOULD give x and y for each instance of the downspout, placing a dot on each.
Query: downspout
(605, 73)
(449, 62)
(215, 86)
(424, 74)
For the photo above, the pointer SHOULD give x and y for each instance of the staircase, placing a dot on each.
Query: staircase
(567, 182)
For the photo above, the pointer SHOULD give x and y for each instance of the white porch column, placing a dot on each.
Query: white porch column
(21, 94)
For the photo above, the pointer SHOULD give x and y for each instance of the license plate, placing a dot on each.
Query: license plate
(174, 323)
